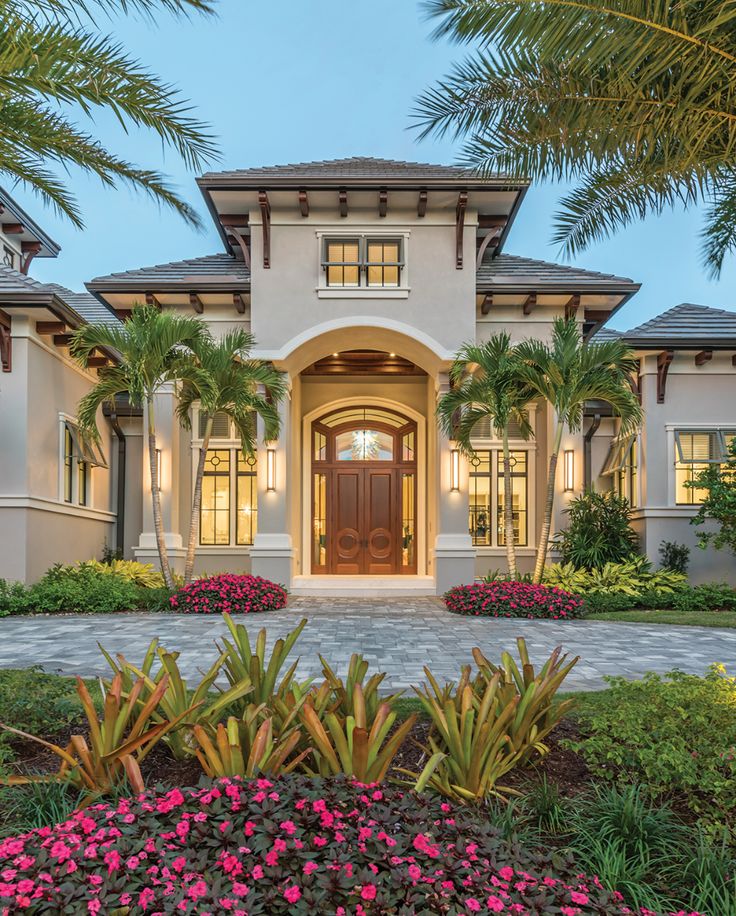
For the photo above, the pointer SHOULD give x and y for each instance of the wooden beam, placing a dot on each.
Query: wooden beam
(6, 348)
(491, 222)
(664, 360)
(530, 304)
(304, 203)
(123, 314)
(342, 196)
(422, 204)
(241, 242)
(635, 382)
(196, 303)
(50, 327)
(152, 300)
(597, 315)
(62, 340)
(28, 251)
(238, 303)
(96, 362)
(571, 307)
(703, 357)
(486, 304)
(233, 220)
(13, 228)
(462, 205)
(382, 202)
(265, 206)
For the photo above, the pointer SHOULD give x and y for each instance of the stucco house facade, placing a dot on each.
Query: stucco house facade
(359, 279)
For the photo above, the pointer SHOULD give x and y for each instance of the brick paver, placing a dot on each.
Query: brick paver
(397, 635)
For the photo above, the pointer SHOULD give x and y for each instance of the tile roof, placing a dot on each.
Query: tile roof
(606, 334)
(352, 167)
(513, 271)
(85, 305)
(14, 283)
(213, 268)
(686, 323)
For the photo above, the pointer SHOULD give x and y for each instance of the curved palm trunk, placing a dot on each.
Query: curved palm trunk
(508, 508)
(548, 506)
(158, 526)
(196, 503)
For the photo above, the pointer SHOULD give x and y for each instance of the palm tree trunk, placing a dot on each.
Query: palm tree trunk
(508, 509)
(548, 506)
(158, 526)
(196, 503)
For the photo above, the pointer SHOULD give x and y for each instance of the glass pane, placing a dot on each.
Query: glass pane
(408, 520)
(688, 496)
(83, 469)
(320, 446)
(246, 520)
(351, 276)
(319, 521)
(698, 446)
(519, 503)
(364, 445)
(68, 465)
(408, 446)
(214, 526)
(480, 520)
(391, 276)
(375, 276)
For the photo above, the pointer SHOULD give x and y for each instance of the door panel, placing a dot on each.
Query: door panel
(348, 522)
(380, 523)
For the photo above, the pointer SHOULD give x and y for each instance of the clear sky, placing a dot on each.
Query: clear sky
(296, 80)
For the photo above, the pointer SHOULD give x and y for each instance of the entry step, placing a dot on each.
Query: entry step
(363, 586)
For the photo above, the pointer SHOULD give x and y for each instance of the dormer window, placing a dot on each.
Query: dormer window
(363, 261)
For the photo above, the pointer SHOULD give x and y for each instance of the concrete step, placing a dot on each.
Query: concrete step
(363, 586)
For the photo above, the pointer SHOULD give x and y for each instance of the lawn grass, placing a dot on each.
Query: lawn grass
(726, 619)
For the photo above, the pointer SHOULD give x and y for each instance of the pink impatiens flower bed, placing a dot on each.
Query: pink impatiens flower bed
(291, 845)
(229, 594)
(513, 599)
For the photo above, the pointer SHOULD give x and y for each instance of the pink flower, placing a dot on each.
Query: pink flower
(368, 892)
(577, 897)
(292, 893)
(309, 867)
(495, 904)
(472, 904)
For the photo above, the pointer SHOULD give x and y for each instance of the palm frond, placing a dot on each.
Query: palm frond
(719, 233)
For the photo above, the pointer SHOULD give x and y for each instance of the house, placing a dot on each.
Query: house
(359, 278)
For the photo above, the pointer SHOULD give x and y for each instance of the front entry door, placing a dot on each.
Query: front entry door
(365, 524)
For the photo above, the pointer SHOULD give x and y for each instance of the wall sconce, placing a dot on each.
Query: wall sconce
(569, 469)
(158, 469)
(454, 469)
(271, 469)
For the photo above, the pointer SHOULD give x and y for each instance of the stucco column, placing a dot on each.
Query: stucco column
(454, 553)
(272, 553)
(168, 442)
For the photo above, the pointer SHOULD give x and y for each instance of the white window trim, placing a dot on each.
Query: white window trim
(515, 445)
(65, 418)
(363, 292)
(673, 458)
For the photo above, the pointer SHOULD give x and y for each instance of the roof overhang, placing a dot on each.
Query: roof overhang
(10, 211)
(692, 343)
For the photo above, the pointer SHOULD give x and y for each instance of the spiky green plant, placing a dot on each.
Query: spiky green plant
(342, 696)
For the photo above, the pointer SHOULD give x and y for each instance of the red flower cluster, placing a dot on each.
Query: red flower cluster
(513, 599)
(230, 594)
(290, 846)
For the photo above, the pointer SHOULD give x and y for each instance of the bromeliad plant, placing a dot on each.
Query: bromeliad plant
(342, 696)
(192, 706)
(484, 727)
(118, 743)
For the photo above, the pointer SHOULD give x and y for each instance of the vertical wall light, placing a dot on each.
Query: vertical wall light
(271, 469)
(158, 469)
(569, 469)
(454, 469)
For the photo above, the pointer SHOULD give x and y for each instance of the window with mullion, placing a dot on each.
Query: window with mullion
(214, 519)
(342, 262)
(68, 465)
(486, 498)
(383, 262)
(519, 499)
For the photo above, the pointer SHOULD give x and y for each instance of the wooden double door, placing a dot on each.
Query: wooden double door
(366, 529)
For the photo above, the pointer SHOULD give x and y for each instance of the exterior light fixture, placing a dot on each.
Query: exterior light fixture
(271, 469)
(569, 469)
(158, 469)
(454, 469)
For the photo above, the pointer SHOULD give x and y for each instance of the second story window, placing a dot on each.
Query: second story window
(695, 450)
(367, 262)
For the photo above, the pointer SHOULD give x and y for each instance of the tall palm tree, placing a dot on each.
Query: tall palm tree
(54, 66)
(237, 386)
(633, 101)
(487, 382)
(153, 348)
(567, 373)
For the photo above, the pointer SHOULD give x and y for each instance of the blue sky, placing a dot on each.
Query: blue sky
(292, 81)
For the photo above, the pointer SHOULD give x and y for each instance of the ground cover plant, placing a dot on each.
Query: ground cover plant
(501, 598)
(229, 593)
(293, 845)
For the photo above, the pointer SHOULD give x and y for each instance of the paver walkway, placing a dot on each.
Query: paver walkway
(397, 635)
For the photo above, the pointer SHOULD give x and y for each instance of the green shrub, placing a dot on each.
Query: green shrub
(143, 574)
(13, 597)
(675, 733)
(674, 556)
(709, 597)
(599, 531)
(154, 600)
(81, 590)
(606, 603)
(632, 578)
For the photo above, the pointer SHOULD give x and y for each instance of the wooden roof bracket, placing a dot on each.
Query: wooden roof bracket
(196, 303)
(28, 251)
(266, 220)
(530, 304)
(342, 196)
(422, 204)
(238, 303)
(382, 202)
(703, 357)
(462, 206)
(486, 304)
(152, 300)
(636, 382)
(304, 203)
(571, 307)
(664, 360)
(6, 343)
(239, 240)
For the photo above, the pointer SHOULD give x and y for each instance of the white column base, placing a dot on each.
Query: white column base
(454, 561)
(146, 550)
(272, 557)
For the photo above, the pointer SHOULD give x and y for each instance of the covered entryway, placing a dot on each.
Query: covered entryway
(364, 492)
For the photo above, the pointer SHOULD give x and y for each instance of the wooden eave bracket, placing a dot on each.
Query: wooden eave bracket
(422, 204)
(382, 202)
(230, 224)
(13, 228)
(196, 303)
(703, 357)
(152, 300)
(28, 251)
(342, 197)
(462, 206)
(6, 343)
(571, 307)
(486, 304)
(664, 360)
(50, 327)
(304, 203)
(635, 382)
(530, 304)
(265, 206)
(238, 303)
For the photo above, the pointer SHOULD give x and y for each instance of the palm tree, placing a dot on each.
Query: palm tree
(53, 62)
(634, 101)
(234, 388)
(153, 349)
(487, 382)
(567, 373)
